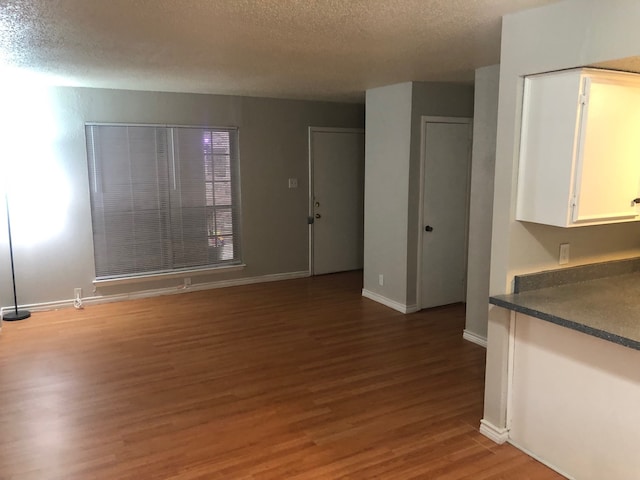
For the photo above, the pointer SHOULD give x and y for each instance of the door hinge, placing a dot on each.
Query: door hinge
(584, 99)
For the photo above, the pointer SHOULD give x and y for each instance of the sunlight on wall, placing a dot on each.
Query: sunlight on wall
(31, 171)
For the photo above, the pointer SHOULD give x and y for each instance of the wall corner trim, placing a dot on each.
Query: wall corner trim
(399, 307)
(474, 338)
(489, 430)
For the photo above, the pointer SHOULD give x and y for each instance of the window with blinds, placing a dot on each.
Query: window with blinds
(163, 198)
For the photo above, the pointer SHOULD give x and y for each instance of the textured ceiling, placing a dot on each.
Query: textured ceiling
(314, 49)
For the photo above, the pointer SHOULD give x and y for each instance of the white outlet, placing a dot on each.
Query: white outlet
(293, 183)
(187, 282)
(77, 298)
(563, 258)
(381, 279)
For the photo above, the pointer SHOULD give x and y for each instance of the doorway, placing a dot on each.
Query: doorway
(336, 199)
(444, 210)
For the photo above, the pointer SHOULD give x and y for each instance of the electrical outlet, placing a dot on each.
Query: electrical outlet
(293, 183)
(563, 259)
(77, 298)
(381, 279)
(187, 282)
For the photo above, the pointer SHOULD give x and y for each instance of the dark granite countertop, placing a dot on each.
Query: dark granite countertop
(607, 308)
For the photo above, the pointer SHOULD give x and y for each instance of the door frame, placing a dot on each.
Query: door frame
(311, 131)
(424, 120)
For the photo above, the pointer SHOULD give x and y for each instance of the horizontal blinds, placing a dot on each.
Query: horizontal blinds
(204, 212)
(163, 199)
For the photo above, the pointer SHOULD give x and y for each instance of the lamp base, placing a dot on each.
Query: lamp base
(14, 316)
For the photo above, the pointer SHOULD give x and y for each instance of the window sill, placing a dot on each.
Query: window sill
(110, 282)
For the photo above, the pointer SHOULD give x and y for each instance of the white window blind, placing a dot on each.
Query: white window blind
(163, 198)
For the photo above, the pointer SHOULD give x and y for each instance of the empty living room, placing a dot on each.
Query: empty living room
(251, 240)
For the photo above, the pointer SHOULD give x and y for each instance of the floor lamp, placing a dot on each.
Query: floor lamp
(15, 314)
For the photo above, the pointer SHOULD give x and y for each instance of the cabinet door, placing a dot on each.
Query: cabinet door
(547, 148)
(608, 167)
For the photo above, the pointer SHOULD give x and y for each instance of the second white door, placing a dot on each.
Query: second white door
(446, 162)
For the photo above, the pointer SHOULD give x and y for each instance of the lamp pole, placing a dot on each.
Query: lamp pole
(16, 314)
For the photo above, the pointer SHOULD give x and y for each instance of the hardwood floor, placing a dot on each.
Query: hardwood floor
(300, 379)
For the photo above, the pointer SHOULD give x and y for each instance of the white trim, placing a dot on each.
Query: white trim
(400, 307)
(541, 460)
(489, 430)
(423, 150)
(312, 130)
(41, 307)
(511, 353)
(474, 338)
(109, 282)
(311, 195)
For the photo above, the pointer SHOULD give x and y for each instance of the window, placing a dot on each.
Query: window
(163, 198)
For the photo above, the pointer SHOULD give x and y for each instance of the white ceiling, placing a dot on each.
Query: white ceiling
(312, 49)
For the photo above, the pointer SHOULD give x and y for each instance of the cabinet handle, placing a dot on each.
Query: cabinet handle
(635, 201)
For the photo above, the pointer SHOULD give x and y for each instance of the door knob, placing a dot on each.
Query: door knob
(428, 228)
(317, 204)
(318, 215)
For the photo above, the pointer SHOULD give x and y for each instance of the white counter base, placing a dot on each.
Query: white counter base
(575, 401)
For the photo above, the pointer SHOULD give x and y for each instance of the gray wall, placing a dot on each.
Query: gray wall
(392, 179)
(485, 119)
(563, 35)
(273, 147)
(386, 182)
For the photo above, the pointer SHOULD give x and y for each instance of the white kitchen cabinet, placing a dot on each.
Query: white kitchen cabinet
(580, 148)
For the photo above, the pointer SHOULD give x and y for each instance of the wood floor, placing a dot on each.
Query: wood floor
(300, 379)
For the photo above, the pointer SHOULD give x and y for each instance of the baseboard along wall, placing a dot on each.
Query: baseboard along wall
(497, 434)
(41, 307)
(474, 338)
(400, 307)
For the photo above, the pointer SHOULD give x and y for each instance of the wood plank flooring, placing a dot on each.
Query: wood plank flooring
(300, 379)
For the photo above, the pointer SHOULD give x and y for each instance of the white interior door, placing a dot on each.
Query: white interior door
(336, 199)
(445, 201)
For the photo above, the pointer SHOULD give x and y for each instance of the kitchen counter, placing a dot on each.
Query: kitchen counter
(572, 398)
(602, 300)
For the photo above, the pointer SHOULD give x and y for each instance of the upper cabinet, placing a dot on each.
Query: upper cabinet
(580, 148)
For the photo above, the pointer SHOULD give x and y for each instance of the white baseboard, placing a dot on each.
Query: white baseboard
(400, 307)
(41, 307)
(474, 338)
(489, 430)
